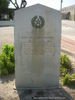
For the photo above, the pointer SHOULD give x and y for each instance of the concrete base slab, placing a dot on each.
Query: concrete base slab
(57, 93)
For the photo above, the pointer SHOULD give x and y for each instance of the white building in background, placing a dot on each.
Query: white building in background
(69, 13)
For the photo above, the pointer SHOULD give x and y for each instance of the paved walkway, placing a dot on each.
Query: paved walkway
(68, 44)
(68, 37)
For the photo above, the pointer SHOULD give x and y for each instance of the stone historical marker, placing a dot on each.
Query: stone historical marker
(37, 46)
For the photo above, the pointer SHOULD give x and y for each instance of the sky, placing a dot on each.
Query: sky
(50, 3)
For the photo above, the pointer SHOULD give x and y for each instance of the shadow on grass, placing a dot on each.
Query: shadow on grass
(52, 93)
(8, 78)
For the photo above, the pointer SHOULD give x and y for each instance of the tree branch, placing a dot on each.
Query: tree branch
(16, 4)
(23, 3)
(13, 3)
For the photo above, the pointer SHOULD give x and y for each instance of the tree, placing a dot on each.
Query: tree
(4, 4)
(4, 7)
(15, 3)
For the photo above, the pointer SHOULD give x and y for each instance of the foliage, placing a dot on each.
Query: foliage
(65, 65)
(3, 7)
(72, 80)
(69, 80)
(63, 71)
(7, 60)
(65, 62)
(73, 76)
(4, 4)
(66, 79)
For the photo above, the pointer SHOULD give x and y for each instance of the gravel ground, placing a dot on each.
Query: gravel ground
(7, 92)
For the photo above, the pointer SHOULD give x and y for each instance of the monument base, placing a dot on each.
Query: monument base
(51, 93)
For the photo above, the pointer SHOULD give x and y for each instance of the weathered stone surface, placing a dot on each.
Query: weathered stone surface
(37, 49)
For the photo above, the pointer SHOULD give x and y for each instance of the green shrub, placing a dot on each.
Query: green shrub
(4, 72)
(65, 65)
(65, 62)
(72, 80)
(73, 76)
(63, 71)
(66, 79)
(69, 80)
(7, 61)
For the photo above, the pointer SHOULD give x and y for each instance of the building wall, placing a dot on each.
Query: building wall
(70, 9)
